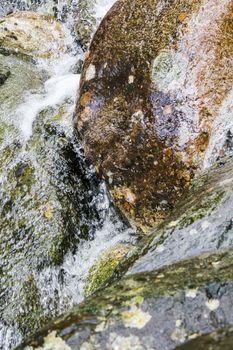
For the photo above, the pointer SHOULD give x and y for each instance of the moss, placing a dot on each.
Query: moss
(201, 209)
(24, 177)
(30, 314)
(102, 269)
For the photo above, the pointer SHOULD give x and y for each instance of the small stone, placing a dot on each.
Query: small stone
(91, 72)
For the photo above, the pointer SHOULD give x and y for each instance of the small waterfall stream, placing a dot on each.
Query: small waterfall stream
(56, 216)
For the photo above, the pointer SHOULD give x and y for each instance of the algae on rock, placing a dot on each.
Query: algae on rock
(103, 268)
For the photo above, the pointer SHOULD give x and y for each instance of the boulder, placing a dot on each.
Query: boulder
(32, 34)
(156, 310)
(173, 288)
(155, 101)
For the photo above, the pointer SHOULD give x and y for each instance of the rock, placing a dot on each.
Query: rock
(155, 92)
(220, 340)
(169, 290)
(103, 268)
(30, 77)
(44, 214)
(32, 34)
(4, 74)
(154, 310)
(201, 222)
(85, 22)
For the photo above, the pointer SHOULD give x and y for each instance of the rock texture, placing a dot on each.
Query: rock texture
(157, 310)
(32, 34)
(170, 295)
(155, 92)
(4, 74)
(46, 204)
(220, 340)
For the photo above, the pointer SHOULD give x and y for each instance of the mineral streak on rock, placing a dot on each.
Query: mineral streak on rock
(156, 78)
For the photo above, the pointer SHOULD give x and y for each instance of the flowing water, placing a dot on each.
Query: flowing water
(56, 216)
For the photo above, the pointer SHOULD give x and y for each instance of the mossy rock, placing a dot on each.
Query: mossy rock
(46, 209)
(103, 268)
(156, 310)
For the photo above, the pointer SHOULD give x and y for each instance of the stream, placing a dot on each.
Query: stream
(56, 216)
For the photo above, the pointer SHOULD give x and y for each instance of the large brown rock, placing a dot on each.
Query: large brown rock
(155, 91)
(32, 34)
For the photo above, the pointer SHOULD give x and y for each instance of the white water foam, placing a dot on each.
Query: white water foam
(102, 7)
(61, 85)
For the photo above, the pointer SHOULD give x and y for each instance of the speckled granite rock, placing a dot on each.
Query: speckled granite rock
(155, 92)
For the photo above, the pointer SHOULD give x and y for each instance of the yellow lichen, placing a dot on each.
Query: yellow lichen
(135, 318)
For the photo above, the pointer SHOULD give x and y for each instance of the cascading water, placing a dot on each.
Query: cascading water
(56, 216)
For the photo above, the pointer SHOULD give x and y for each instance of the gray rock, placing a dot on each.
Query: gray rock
(156, 310)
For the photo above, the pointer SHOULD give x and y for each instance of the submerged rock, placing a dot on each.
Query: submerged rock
(12, 93)
(154, 310)
(45, 212)
(155, 92)
(32, 34)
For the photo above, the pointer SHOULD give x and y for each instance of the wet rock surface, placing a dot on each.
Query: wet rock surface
(45, 213)
(4, 74)
(103, 268)
(201, 221)
(154, 310)
(32, 34)
(171, 294)
(152, 114)
(151, 102)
